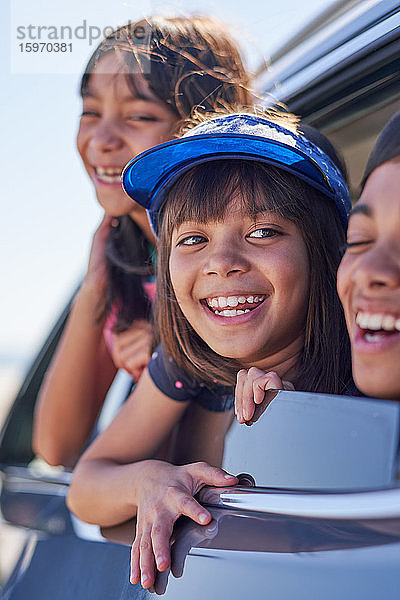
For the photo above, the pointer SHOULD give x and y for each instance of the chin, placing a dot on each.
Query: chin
(115, 207)
(377, 384)
(234, 353)
(225, 352)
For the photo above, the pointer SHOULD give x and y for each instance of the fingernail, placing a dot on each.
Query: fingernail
(229, 477)
(203, 518)
(145, 578)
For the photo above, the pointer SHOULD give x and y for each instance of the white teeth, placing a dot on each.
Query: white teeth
(108, 175)
(373, 337)
(232, 301)
(102, 171)
(362, 320)
(231, 312)
(376, 322)
(388, 322)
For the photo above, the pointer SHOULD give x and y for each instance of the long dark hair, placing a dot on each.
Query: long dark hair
(189, 64)
(203, 194)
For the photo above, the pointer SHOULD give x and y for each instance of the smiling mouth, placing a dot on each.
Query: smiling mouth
(233, 306)
(375, 327)
(108, 175)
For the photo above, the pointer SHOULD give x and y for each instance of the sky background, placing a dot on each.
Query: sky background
(49, 210)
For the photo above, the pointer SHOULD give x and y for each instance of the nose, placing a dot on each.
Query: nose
(226, 258)
(105, 137)
(379, 267)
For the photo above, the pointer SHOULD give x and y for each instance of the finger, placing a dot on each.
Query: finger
(269, 381)
(205, 474)
(189, 507)
(135, 569)
(146, 560)
(132, 344)
(139, 347)
(259, 390)
(106, 221)
(103, 229)
(240, 379)
(136, 361)
(248, 394)
(248, 402)
(135, 374)
(137, 330)
(132, 362)
(161, 536)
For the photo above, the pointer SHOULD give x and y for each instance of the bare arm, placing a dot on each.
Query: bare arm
(80, 373)
(104, 482)
(74, 388)
(109, 487)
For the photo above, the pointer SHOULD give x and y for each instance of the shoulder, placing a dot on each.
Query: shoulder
(170, 378)
(174, 382)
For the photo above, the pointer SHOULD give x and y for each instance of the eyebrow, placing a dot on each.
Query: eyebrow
(361, 209)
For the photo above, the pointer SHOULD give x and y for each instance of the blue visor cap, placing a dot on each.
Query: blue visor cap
(148, 177)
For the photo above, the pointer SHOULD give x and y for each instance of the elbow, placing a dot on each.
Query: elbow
(75, 498)
(72, 501)
(49, 445)
(81, 499)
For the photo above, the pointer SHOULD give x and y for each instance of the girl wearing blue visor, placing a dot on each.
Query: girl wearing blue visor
(250, 218)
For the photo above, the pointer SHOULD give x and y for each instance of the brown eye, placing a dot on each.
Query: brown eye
(141, 118)
(192, 240)
(359, 246)
(264, 232)
(89, 113)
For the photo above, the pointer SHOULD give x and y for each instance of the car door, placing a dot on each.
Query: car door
(61, 557)
(341, 74)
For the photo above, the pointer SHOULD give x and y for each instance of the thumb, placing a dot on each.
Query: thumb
(208, 475)
(106, 224)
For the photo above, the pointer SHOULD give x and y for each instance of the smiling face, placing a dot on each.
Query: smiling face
(242, 283)
(115, 126)
(369, 284)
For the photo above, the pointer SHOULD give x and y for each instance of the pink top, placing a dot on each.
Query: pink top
(150, 289)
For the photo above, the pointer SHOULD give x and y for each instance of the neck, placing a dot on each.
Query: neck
(140, 218)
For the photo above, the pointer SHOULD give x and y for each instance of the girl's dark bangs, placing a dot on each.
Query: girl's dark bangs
(204, 193)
